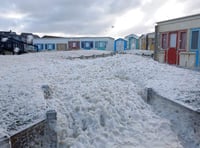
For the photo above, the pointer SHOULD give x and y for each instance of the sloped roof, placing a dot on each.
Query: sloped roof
(132, 35)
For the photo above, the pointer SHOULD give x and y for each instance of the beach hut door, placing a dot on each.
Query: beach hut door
(120, 45)
(195, 44)
(172, 51)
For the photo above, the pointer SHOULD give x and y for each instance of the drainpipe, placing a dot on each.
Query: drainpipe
(147, 41)
(156, 43)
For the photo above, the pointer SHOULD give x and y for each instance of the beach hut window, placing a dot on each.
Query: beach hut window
(173, 39)
(195, 38)
(164, 41)
(183, 40)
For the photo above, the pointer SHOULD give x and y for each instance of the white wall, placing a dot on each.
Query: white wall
(110, 41)
(187, 59)
(180, 24)
(185, 23)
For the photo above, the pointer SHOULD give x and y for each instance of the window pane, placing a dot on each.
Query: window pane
(183, 40)
(164, 41)
(173, 40)
(195, 38)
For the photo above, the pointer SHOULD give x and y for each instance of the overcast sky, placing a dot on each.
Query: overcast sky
(115, 18)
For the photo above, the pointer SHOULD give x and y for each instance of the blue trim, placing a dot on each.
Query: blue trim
(197, 58)
(39, 47)
(120, 40)
(50, 46)
(197, 51)
(84, 43)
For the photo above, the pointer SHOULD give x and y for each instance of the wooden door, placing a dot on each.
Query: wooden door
(182, 44)
(61, 47)
(172, 51)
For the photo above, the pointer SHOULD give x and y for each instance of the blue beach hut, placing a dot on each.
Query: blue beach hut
(120, 45)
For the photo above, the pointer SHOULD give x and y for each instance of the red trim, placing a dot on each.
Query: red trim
(179, 37)
(172, 54)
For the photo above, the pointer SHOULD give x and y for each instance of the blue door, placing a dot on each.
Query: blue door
(195, 44)
(120, 45)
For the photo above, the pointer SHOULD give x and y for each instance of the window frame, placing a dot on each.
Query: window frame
(166, 43)
(198, 41)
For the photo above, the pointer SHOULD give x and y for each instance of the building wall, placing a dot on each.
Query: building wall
(186, 23)
(187, 59)
(179, 25)
(109, 42)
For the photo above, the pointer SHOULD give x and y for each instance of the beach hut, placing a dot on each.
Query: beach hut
(74, 43)
(42, 44)
(175, 38)
(97, 43)
(132, 41)
(120, 45)
(147, 41)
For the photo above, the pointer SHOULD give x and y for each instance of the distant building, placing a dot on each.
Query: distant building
(147, 41)
(13, 43)
(178, 41)
(28, 39)
(74, 43)
(132, 41)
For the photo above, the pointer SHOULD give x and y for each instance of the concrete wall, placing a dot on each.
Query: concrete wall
(161, 56)
(185, 120)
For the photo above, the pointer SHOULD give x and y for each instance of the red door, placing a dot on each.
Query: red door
(172, 54)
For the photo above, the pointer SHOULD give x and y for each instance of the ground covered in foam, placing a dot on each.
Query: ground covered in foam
(98, 101)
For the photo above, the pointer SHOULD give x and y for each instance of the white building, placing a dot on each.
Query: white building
(74, 43)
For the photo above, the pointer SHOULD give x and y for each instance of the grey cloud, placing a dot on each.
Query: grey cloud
(70, 17)
(77, 16)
